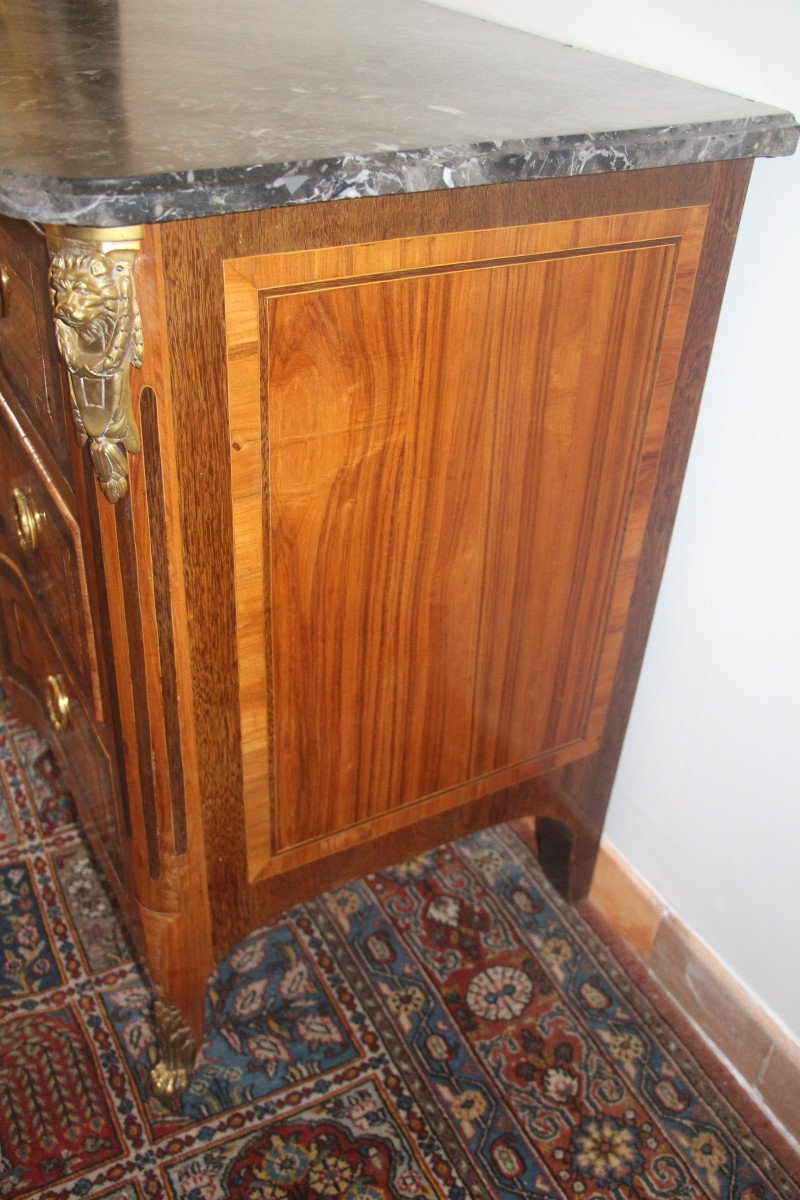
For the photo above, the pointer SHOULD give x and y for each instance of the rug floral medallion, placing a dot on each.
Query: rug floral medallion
(445, 1030)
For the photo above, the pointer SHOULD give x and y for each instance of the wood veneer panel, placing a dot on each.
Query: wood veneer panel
(587, 785)
(447, 454)
(154, 484)
(193, 253)
(445, 525)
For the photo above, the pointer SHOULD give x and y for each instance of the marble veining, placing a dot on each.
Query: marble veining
(133, 111)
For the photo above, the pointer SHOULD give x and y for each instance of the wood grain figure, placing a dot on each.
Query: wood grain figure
(390, 549)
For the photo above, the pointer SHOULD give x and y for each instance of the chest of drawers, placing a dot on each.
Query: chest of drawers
(52, 659)
(358, 543)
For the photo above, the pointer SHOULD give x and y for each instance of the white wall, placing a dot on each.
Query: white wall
(707, 801)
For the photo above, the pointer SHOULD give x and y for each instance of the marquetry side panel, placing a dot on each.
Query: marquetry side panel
(442, 454)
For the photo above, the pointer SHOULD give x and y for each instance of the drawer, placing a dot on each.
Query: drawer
(40, 534)
(28, 362)
(43, 692)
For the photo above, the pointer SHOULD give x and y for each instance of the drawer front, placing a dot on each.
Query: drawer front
(27, 358)
(39, 533)
(44, 693)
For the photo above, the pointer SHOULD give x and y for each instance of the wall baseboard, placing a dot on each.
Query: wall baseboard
(763, 1054)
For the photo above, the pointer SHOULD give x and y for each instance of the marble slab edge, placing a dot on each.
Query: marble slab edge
(172, 196)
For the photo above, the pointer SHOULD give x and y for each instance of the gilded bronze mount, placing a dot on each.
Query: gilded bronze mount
(177, 1051)
(99, 336)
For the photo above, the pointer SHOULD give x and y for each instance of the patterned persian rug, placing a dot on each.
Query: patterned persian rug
(447, 1029)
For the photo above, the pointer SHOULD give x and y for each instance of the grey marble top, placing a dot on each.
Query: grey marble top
(116, 112)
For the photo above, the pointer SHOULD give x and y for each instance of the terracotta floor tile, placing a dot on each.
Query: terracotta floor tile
(684, 966)
(626, 903)
(780, 1085)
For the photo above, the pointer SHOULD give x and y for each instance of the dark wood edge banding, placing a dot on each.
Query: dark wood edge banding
(102, 626)
(595, 777)
(637, 460)
(453, 268)
(154, 483)
(141, 713)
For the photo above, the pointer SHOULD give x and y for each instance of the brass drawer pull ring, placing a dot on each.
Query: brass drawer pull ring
(57, 703)
(28, 518)
(5, 280)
